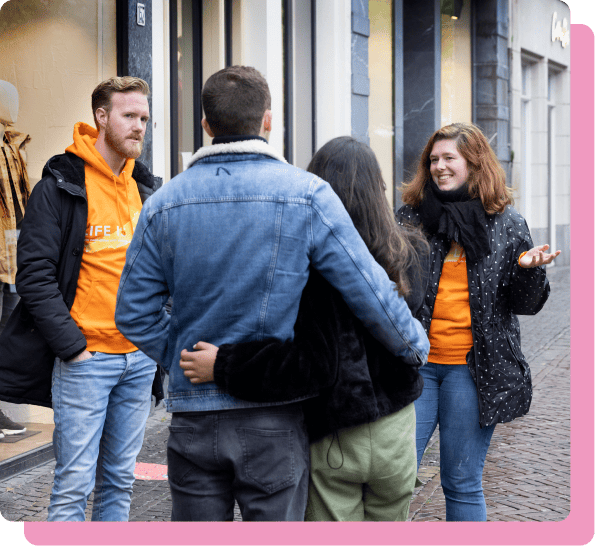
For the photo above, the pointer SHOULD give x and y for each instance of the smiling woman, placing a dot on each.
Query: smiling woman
(447, 166)
(483, 272)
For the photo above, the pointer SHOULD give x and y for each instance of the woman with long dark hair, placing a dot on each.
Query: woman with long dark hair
(483, 271)
(359, 397)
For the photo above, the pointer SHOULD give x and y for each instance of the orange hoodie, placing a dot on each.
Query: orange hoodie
(450, 330)
(114, 206)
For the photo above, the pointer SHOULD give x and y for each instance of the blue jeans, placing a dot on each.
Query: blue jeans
(100, 406)
(259, 456)
(449, 398)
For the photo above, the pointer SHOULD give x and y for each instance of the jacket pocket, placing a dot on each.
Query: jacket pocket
(470, 359)
(517, 353)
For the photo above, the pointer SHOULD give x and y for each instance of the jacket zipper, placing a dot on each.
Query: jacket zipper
(60, 182)
(475, 358)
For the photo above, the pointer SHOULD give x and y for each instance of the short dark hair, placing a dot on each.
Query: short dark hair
(235, 100)
(102, 94)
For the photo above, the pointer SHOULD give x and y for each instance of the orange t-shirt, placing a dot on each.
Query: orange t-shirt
(113, 210)
(450, 330)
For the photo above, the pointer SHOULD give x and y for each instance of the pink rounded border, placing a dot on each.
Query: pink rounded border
(578, 528)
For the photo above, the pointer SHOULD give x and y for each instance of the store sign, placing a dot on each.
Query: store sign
(560, 30)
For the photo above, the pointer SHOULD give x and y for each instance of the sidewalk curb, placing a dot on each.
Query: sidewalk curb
(26, 461)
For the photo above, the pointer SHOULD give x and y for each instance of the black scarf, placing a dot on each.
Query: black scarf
(456, 216)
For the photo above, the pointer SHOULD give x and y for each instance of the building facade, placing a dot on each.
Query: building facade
(539, 46)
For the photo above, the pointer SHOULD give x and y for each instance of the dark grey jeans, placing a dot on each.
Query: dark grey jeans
(259, 456)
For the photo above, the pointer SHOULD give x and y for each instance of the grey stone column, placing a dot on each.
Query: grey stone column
(492, 75)
(135, 55)
(421, 78)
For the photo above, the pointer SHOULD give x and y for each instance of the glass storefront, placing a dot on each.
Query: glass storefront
(207, 36)
(455, 64)
(381, 99)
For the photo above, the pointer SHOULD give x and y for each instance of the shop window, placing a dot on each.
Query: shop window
(526, 70)
(204, 37)
(275, 36)
(552, 152)
(185, 81)
(298, 81)
(381, 104)
(456, 66)
(229, 19)
(526, 79)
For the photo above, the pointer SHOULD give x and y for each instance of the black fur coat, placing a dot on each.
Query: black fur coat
(349, 377)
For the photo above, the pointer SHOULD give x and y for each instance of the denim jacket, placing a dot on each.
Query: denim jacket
(232, 239)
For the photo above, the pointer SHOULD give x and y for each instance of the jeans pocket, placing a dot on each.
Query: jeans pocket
(83, 362)
(269, 459)
(178, 444)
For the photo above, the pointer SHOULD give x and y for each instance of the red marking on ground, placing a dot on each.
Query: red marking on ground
(147, 471)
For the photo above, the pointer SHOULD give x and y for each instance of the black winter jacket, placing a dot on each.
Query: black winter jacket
(349, 376)
(499, 289)
(49, 255)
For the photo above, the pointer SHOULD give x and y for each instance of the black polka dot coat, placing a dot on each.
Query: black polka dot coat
(499, 289)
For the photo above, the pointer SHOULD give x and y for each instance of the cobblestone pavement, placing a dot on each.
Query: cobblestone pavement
(26, 496)
(527, 471)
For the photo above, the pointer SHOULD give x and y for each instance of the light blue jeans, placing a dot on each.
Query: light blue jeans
(101, 407)
(449, 398)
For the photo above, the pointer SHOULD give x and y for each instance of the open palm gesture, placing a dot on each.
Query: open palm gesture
(538, 256)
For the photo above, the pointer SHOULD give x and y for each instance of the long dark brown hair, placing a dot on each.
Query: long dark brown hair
(352, 170)
(487, 179)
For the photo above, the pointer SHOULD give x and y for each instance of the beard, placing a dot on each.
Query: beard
(122, 145)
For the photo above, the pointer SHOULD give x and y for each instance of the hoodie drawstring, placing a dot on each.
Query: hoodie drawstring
(114, 178)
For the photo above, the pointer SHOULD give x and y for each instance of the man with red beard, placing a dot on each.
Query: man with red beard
(61, 347)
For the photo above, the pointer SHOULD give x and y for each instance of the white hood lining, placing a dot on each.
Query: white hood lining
(255, 146)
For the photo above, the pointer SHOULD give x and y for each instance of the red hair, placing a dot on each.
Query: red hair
(486, 180)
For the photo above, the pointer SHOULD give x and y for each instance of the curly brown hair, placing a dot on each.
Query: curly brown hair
(486, 180)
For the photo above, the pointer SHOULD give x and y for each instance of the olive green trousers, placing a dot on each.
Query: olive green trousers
(364, 473)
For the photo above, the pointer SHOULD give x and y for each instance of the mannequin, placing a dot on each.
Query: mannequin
(9, 105)
(14, 192)
(14, 182)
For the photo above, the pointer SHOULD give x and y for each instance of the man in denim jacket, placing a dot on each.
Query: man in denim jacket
(232, 239)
